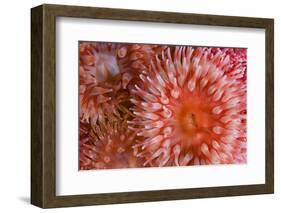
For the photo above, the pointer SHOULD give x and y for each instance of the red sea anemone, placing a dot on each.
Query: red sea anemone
(190, 108)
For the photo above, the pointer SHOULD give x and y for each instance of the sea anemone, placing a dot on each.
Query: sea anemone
(107, 145)
(237, 62)
(135, 60)
(150, 105)
(106, 69)
(190, 108)
(100, 81)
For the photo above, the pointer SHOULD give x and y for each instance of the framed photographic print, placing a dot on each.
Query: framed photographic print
(136, 106)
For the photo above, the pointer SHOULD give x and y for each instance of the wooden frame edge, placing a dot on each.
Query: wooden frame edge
(269, 119)
(36, 106)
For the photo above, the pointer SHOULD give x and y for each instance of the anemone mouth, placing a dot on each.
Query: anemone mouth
(193, 114)
(192, 126)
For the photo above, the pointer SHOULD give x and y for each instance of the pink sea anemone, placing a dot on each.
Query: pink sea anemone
(151, 105)
(107, 145)
(190, 108)
(106, 70)
(100, 81)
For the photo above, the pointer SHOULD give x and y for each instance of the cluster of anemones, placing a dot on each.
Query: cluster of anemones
(151, 105)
